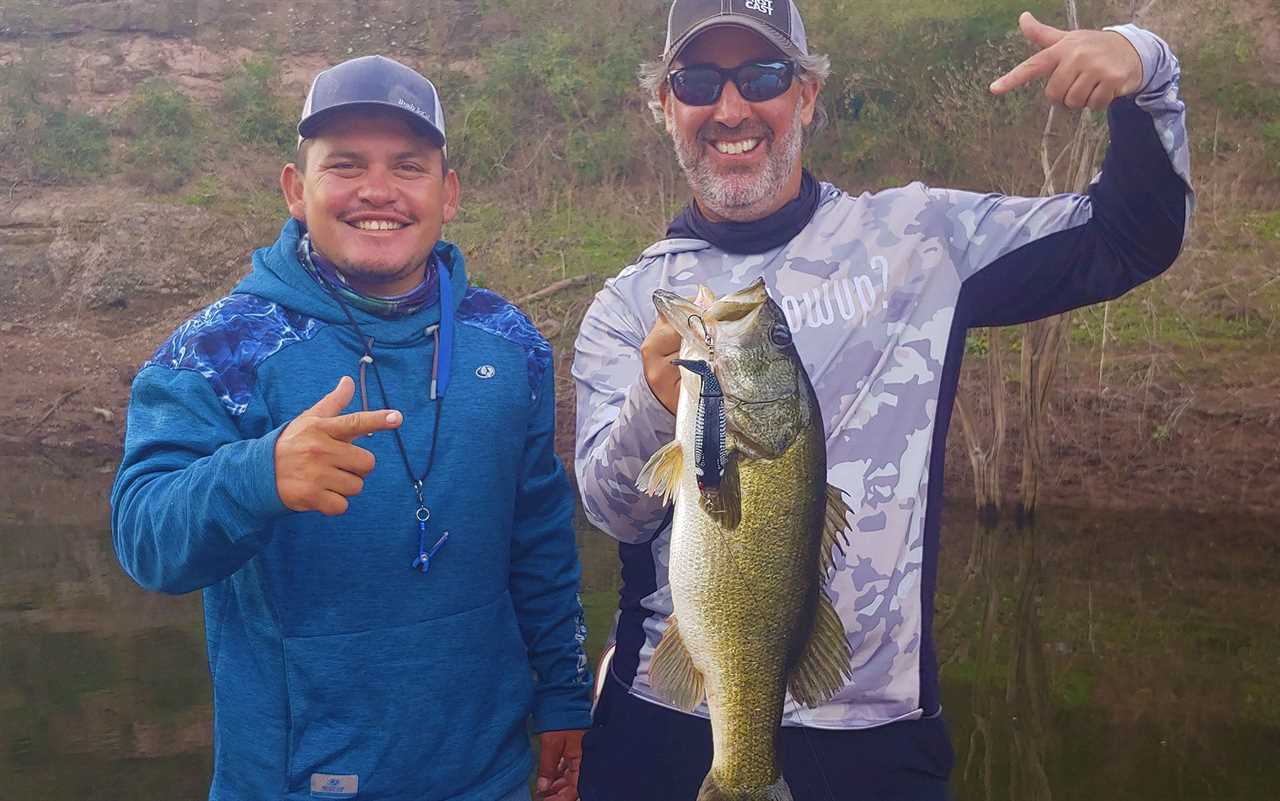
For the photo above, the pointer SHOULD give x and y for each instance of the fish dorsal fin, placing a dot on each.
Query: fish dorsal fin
(823, 666)
(661, 474)
(835, 531)
(671, 670)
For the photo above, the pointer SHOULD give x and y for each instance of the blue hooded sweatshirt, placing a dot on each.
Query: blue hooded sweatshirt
(338, 670)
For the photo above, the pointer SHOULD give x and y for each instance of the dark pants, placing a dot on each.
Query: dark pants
(638, 751)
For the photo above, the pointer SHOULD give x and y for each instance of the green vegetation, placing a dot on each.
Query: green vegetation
(252, 102)
(49, 142)
(69, 145)
(565, 173)
(162, 134)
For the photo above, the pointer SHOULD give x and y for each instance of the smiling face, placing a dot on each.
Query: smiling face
(742, 160)
(374, 197)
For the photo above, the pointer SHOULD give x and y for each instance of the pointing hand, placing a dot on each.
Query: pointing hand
(1082, 68)
(317, 467)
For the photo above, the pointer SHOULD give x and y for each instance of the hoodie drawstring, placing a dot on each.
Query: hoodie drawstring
(440, 366)
(365, 361)
(434, 331)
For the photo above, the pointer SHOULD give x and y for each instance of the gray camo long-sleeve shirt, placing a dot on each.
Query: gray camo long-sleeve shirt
(879, 291)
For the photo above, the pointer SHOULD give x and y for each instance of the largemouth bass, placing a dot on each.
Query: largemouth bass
(752, 537)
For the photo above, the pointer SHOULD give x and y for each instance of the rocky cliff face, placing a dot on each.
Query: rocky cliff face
(97, 273)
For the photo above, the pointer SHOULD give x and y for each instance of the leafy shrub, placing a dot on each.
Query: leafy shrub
(70, 145)
(42, 139)
(258, 114)
(164, 138)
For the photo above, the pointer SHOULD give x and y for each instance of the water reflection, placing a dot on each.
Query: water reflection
(103, 689)
(1118, 657)
(1008, 709)
(1107, 657)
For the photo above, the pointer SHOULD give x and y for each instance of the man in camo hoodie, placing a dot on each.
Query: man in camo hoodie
(879, 291)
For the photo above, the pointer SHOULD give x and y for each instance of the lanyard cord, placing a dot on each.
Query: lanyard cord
(382, 390)
(423, 514)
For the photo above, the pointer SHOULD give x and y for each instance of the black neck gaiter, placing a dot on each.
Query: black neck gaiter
(755, 236)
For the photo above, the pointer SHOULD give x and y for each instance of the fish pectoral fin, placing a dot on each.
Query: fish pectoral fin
(671, 670)
(835, 531)
(823, 666)
(725, 504)
(661, 474)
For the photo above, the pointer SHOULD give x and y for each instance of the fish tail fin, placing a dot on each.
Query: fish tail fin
(712, 790)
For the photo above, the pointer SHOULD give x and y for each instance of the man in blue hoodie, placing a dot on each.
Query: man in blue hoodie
(388, 561)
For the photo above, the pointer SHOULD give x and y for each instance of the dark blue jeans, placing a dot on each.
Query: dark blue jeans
(638, 751)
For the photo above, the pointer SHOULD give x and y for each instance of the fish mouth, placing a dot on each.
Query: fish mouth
(682, 315)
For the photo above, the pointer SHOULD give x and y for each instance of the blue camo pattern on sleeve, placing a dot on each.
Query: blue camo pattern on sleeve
(227, 341)
(493, 313)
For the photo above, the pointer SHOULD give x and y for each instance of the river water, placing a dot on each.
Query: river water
(1099, 657)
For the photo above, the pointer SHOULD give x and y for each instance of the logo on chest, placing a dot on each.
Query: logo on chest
(856, 297)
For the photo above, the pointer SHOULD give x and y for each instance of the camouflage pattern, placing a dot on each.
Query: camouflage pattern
(869, 290)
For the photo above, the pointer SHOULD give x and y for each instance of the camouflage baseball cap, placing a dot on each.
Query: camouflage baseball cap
(778, 21)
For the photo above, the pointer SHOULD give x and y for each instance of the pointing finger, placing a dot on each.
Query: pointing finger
(1038, 66)
(331, 405)
(350, 426)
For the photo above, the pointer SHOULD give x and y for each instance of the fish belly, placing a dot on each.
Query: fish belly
(743, 599)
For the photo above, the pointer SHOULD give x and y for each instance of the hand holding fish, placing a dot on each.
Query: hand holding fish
(659, 348)
(317, 467)
(1083, 68)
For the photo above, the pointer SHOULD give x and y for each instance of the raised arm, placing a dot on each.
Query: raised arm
(1025, 258)
(620, 421)
(195, 499)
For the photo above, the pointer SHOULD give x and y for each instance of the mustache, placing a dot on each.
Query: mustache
(748, 129)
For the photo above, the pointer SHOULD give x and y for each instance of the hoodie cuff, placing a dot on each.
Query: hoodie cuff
(259, 502)
(561, 714)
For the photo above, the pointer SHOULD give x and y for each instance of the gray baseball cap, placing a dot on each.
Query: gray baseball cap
(373, 82)
(778, 21)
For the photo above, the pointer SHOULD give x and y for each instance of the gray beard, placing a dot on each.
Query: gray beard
(739, 196)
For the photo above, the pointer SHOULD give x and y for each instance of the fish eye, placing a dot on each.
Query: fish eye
(780, 335)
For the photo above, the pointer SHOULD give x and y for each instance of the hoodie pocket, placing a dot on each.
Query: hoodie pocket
(427, 710)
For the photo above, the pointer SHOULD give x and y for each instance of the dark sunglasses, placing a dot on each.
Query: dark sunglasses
(757, 81)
